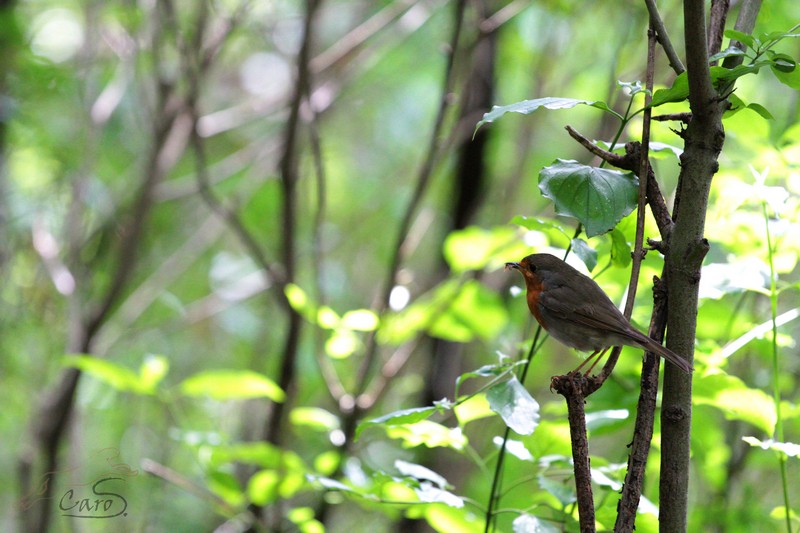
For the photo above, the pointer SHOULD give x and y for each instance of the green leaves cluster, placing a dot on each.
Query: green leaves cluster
(222, 384)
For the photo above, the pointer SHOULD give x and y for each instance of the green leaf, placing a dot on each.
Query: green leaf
(262, 454)
(722, 75)
(789, 449)
(736, 400)
(427, 433)
(742, 37)
(420, 472)
(526, 523)
(314, 418)
(777, 36)
(677, 93)
(360, 320)
(475, 248)
(474, 311)
(327, 318)
(620, 249)
(297, 297)
(535, 224)
(262, 487)
(586, 253)
(515, 448)
(790, 79)
(474, 408)
(430, 494)
(599, 198)
(226, 486)
(515, 406)
(761, 110)
(737, 104)
(117, 376)
(341, 344)
(563, 492)
(526, 107)
(153, 370)
(728, 52)
(781, 62)
(303, 518)
(455, 311)
(406, 416)
(231, 385)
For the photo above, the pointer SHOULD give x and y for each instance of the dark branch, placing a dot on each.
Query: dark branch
(716, 24)
(663, 37)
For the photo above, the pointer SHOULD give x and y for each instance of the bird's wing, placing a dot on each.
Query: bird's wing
(559, 301)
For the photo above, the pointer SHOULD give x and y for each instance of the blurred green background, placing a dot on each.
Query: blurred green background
(101, 182)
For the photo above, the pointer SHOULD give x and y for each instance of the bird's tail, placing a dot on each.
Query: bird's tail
(652, 346)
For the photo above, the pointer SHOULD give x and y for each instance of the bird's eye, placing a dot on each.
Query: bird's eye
(532, 267)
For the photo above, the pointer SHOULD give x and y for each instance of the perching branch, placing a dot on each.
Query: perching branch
(571, 386)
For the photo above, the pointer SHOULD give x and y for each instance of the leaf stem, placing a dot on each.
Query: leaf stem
(776, 392)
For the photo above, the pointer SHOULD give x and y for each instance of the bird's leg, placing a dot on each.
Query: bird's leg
(597, 360)
(596, 355)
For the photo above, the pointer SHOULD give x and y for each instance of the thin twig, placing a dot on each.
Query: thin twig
(420, 188)
(679, 117)
(647, 397)
(289, 176)
(609, 157)
(643, 171)
(334, 385)
(663, 37)
(645, 418)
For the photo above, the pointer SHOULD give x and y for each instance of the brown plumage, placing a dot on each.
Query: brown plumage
(575, 311)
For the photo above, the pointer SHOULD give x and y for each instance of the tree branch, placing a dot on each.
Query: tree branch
(423, 180)
(645, 418)
(663, 37)
(704, 137)
(289, 175)
(571, 386)
(716, 24)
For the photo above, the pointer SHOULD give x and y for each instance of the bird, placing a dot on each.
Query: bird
(574, 310)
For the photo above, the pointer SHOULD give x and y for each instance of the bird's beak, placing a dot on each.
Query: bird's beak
(513, 265)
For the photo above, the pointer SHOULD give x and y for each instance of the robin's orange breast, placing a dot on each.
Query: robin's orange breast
(534, 290)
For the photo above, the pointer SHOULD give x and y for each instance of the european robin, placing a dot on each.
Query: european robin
(573, 309)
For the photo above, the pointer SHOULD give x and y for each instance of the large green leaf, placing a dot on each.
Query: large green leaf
(452, 311)
(599, 198)
(429, 434)
(475, 248)
(677, 93)
(526, 107)
(515, 405)
(397, 418)
(231, 385)
(475, 311)
(117, 376)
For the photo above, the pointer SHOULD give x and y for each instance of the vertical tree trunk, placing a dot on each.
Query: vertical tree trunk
(703, 138)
